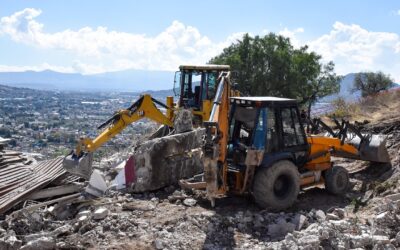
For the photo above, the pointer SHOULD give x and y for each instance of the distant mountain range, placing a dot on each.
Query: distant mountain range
(129, 80)
(345, 92)
(124, 81)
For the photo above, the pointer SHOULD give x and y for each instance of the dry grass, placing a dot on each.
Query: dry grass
(382, 106)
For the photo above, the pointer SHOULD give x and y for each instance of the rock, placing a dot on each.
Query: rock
(155, 200)
(339, 212)
(100, 213)
(85, 212)
(83, 218)
(258, 220)
(164, 161)
(380, 239)
(183, 121)
(189, 202)
(281, 228)
(381, 215)
(320, 215)
(40, 243)
(356, 241)
(158, 244)
(84, 215)
(139, 205)
(323, 234)
(300, 221)
(97, 185)
(309, 241)
(247, 219)
(398, 238)
(290, 242)
(388, 247)
(393, 197)
(331, 216)
(10, 242)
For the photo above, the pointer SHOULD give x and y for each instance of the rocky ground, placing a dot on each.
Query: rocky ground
(367, 217)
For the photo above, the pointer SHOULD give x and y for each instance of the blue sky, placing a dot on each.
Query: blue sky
(98, 36)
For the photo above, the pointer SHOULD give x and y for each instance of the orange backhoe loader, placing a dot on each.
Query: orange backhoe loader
(258, 145)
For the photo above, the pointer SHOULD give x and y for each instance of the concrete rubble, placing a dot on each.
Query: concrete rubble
(164, 161)
(150, 211)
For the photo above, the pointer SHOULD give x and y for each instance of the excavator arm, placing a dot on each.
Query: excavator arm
(79, 162)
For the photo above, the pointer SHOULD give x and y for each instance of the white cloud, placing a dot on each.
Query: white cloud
(113, 50)
(292, 34)
(354, 49)
(41, 67)
(95, 50)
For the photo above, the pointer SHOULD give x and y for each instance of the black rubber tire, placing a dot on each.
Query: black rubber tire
(336, 180)
(277, 187)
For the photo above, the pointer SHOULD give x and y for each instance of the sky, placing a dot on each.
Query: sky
(92, 37)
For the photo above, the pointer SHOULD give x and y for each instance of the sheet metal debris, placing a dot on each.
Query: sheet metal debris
(19, 181)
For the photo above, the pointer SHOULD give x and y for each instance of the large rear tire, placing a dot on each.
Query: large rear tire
(336, 180)
(277, 187)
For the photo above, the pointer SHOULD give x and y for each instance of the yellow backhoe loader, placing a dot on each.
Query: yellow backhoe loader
(258, 145)
(196, 87)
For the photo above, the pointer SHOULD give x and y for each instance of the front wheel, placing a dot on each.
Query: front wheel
(336, 180)
(277, 187)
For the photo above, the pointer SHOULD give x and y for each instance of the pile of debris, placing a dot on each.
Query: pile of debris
(176, 220)
(51, 209)
(24, 184)
(10, 158)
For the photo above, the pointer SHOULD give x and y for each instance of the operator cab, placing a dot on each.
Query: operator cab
(196, 84)
(268, 124)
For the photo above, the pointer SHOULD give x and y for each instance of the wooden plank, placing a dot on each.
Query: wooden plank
(54, 191)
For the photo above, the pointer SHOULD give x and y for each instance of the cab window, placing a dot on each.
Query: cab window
(291, 128)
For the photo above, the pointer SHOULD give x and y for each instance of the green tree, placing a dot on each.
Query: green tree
(325, 83)
(271, 66)
(371, 83)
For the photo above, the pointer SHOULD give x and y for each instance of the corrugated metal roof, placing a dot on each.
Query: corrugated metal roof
(18, 181)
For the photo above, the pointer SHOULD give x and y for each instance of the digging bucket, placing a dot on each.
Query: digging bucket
(79, 166)
(373, 148)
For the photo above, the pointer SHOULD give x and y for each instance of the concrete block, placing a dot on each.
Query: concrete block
(97, 185)
(164, 161)
(100, 213)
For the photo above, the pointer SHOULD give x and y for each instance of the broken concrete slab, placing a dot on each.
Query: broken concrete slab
(189, 202)
(97, 185)
(43, 243)
(138, 205)
(10, 241)
(183, 121)
(100, 213)
(164, 161)
(320, 215)
(300, 221)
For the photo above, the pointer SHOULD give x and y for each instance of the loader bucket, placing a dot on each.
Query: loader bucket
(371, 149)
(79, 166)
